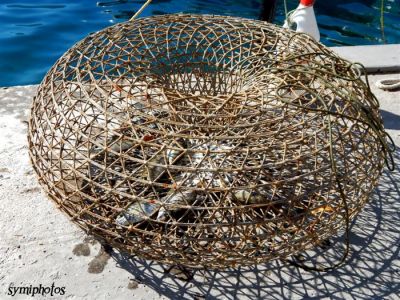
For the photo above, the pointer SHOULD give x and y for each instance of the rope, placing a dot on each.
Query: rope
(286, 9)
(140, 10)
(388, 84)
(289, 14)
(382, 21)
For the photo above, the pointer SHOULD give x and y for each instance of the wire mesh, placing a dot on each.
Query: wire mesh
(206, 140)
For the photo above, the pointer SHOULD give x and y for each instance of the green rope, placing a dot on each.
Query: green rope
(286, 10)
(382, 21)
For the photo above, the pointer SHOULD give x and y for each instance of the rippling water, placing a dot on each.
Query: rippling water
(33, 34)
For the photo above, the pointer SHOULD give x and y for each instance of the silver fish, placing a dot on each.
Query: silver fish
(122, 145)
(197, 158)
(117, 146)
(137, 212)
(249, 197)
(154, 172)
(172, 154)
(175, 197)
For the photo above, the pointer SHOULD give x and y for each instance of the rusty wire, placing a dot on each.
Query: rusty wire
(206, 141)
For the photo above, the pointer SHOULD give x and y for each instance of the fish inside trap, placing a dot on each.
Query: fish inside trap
(206, 140)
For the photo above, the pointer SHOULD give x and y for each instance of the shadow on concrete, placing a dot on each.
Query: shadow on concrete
(391, 120)
(372, 270)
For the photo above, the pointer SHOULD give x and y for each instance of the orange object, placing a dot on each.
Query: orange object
(322, 209)
(307, 2)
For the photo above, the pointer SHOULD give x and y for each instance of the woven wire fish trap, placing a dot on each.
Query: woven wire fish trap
(206, 140)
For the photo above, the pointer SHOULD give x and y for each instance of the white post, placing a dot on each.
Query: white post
(304, 17)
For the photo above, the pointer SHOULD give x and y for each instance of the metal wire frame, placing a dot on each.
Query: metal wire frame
(206, 141)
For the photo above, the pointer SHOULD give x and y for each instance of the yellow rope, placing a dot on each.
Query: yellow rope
(140, 10)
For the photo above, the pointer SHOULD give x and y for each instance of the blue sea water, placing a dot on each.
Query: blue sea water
(34, 34)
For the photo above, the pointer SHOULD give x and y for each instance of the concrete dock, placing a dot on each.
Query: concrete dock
(40, 246)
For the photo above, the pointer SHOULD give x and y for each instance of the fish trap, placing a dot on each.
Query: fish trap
(204, 140)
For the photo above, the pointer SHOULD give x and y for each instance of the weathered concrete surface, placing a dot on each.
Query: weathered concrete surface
(39, 245)
(375, 58)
